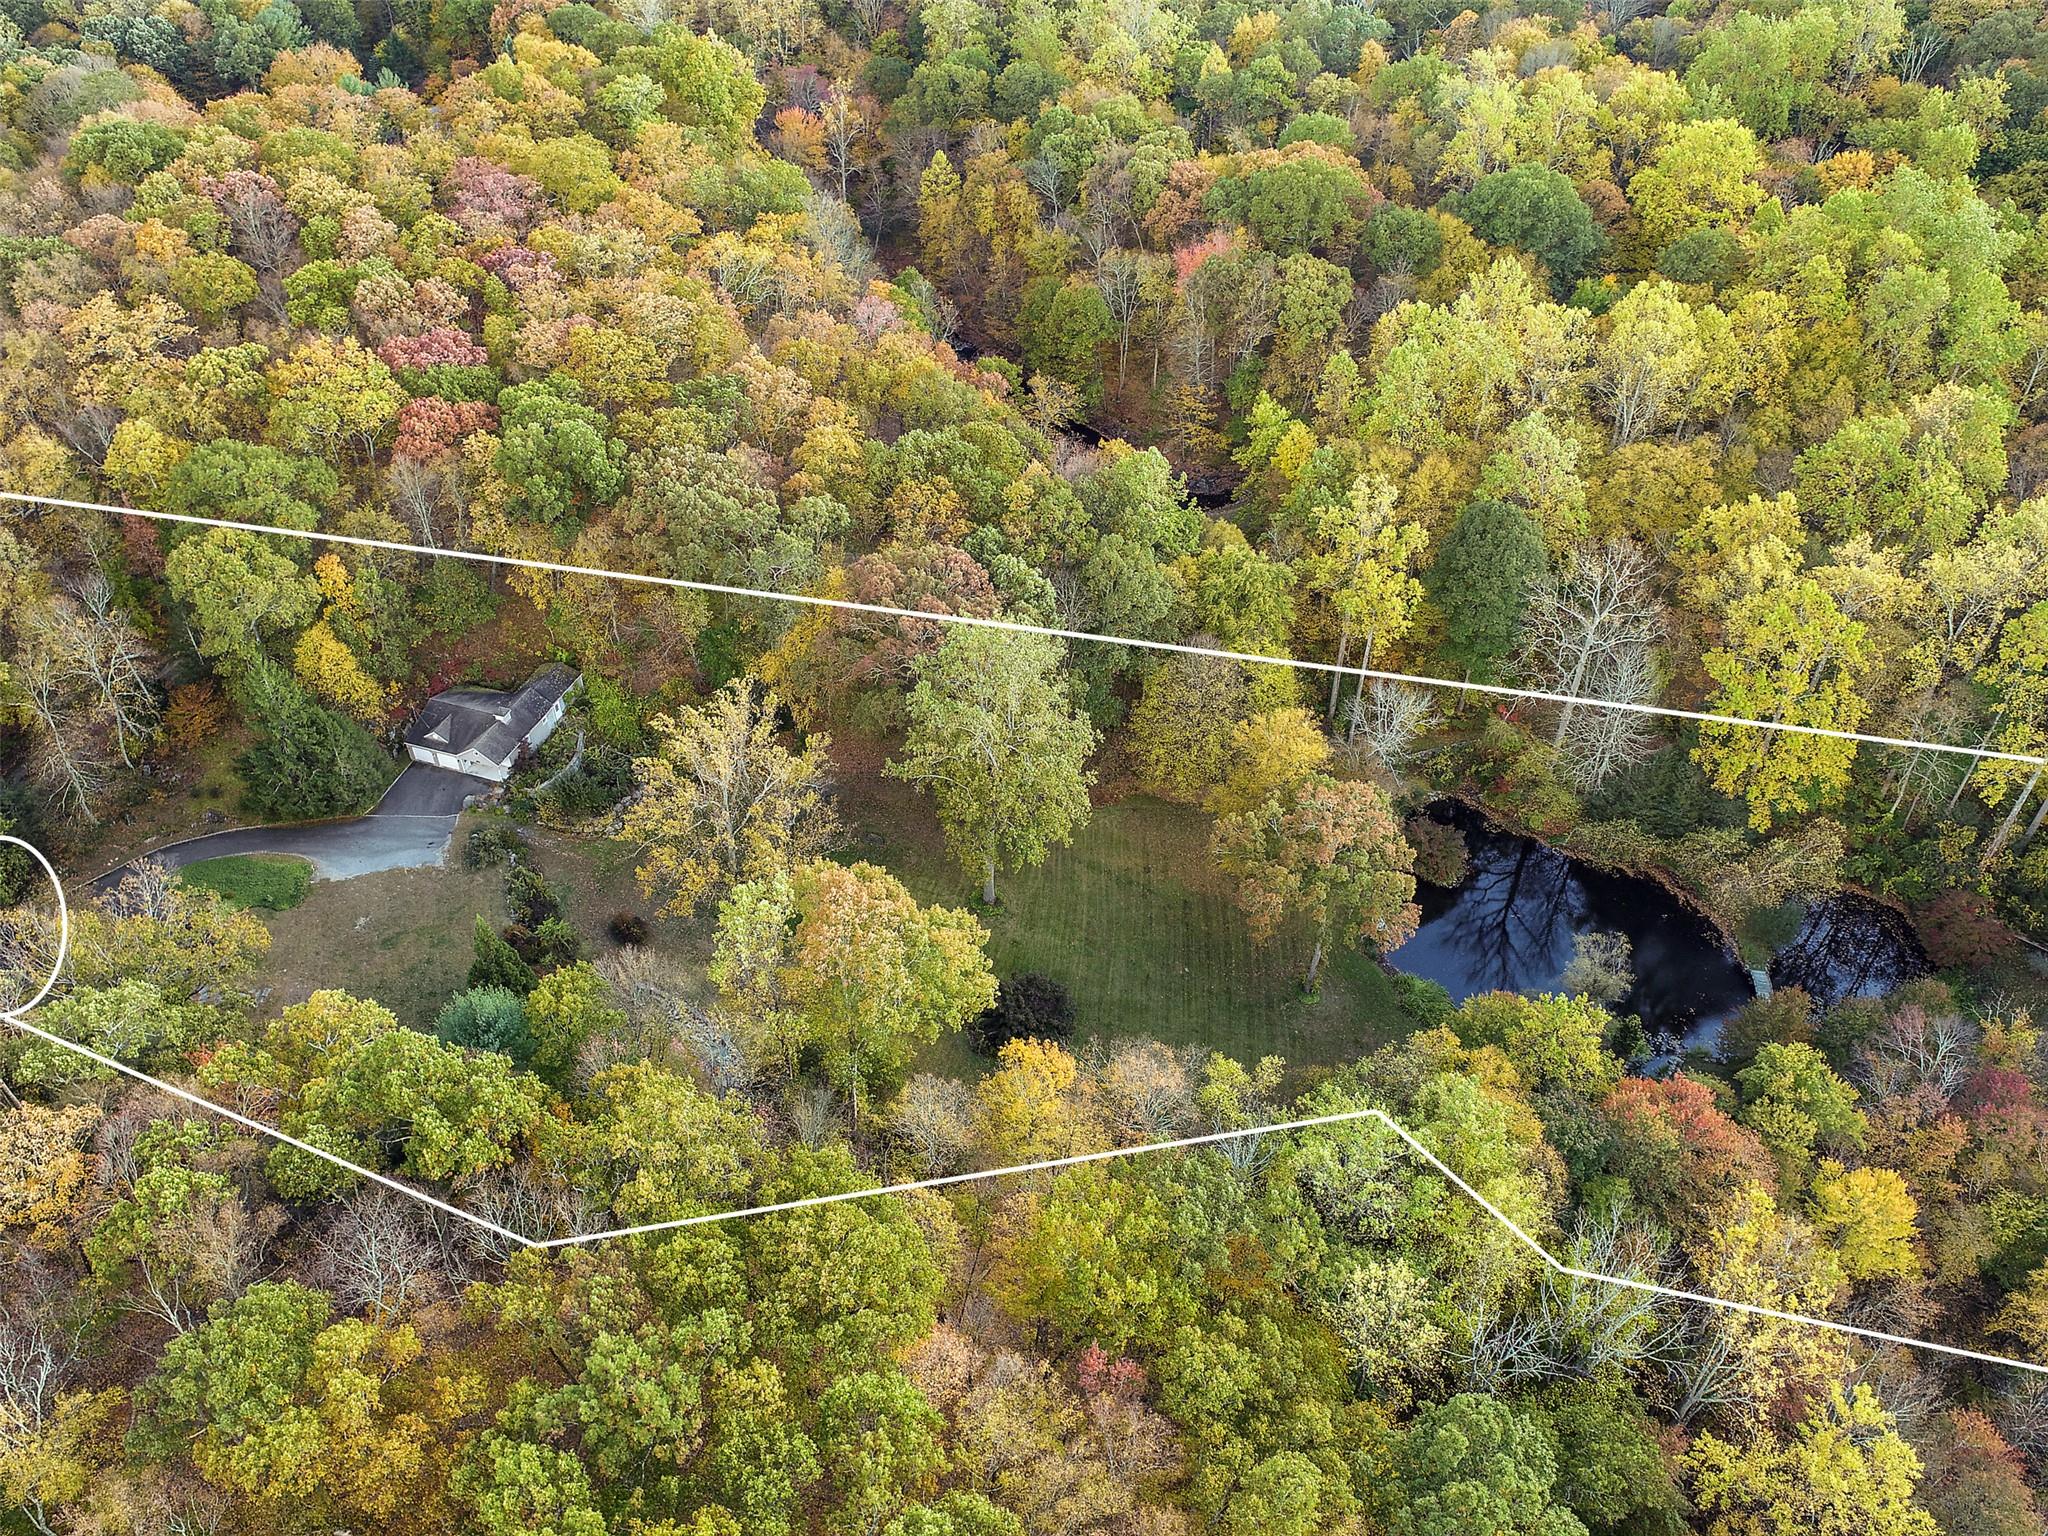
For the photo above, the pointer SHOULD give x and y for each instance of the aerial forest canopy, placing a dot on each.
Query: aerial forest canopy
(1687, 355)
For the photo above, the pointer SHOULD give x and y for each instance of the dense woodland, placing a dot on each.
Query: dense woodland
(1694, 356)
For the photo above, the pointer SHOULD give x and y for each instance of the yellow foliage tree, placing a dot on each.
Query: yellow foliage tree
(721, 801)
(1867, 1214)
(328, 668)
(1035, 1105)
(44, 1177)
(1273, 750)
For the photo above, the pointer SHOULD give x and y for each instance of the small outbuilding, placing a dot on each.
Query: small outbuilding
(482, 731)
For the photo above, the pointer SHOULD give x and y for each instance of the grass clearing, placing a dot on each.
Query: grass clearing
(403, 937)
(275, 882)
(1140, 928)
(1132, 919)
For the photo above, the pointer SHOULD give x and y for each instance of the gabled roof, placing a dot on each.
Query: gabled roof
(486, 720)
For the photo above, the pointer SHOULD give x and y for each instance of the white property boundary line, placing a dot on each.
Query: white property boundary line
(18, 1020)
(1046, 1165)
(63, 925)
(1012, 626)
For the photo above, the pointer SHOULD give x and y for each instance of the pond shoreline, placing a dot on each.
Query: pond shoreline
(1656, 874)
(1515, 918)
(1659, 875)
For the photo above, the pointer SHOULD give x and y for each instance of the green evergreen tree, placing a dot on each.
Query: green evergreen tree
(1480, 583)
(309, 761)
(488, 1018)
(497, 963)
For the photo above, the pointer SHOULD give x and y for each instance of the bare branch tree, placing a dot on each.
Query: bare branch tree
(933, 1118)
(110, 659)
(28, 949)
(1148, 1090)
(1573, 1326)
(1595, 742)
(68, 756)
(1387, 719)
(868, 14)
(378, 1254)
(1119, 279)
(1604, 605)
(1923, 46)
(1914, 1047)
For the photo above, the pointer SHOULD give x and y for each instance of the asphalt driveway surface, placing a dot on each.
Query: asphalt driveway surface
(409, 829)
(426, 791)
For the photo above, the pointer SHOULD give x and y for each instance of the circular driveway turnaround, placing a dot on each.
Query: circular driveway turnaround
(408, 829)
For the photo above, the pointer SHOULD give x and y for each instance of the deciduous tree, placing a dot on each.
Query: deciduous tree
(721, 801)
(1328, 853)
(995, 738)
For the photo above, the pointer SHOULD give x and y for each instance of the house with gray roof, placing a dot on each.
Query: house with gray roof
(482, 731)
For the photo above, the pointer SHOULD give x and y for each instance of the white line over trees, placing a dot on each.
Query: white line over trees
(1084, 636)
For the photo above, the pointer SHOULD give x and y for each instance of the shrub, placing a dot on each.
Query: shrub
(556, 944)
(487, 1019)
(1028, 1007)
(194, 716)
(533, 900)
(490, 846)
(629, 928)
(1767, 930)
(1423, 1000)
(497, 963)
(1961, 929)
(604, 778)
(1783, 1018)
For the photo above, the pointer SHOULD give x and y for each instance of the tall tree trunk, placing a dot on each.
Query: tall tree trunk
(2034, 826)
(1358, 691)
(1906, 779)
(1998, 839)
(1315, 965)
(988, 883)
(1969, 773)
(1337, 678)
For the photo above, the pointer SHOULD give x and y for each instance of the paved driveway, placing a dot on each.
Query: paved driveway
(427, 791)
(409, 829)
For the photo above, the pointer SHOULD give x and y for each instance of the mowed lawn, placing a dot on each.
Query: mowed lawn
(403, 937)
(1133, 919)
(273, 881)
(406, 936)
(1141, 929)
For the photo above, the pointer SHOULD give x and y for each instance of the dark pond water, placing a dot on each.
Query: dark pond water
(1849, 946)
(1210, 492)
(1512, 925)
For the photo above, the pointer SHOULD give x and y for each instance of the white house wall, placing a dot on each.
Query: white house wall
(544, 727)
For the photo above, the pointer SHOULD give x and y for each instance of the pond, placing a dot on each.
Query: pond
(1513, 923)
(1849, 946)
(1512, 926)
